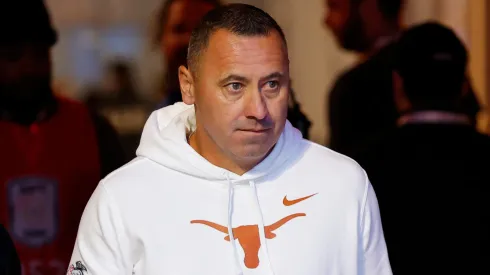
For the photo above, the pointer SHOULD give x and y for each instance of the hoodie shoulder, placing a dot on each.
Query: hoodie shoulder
(323, 163)
(324, 156)
(129, 174)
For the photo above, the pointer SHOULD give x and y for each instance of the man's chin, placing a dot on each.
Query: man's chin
(256, 152)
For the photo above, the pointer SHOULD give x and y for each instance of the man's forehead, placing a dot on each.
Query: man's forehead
(228, 47)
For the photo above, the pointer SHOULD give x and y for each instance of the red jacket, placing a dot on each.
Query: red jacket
(48, 172)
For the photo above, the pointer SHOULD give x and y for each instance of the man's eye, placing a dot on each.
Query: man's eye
(235, 86)
(273, 84)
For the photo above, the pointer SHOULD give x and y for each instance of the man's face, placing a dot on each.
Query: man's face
(241, 93)
(25, 72)
(344, 18)
(184, 16)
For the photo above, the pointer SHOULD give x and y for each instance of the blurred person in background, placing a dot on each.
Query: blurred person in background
(360, 103)
(175, 22)
(9, 261)
(54, 151)
(118, 87)
(431, 172)
(120, 103)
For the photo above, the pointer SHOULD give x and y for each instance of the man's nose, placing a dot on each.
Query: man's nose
(256, 105)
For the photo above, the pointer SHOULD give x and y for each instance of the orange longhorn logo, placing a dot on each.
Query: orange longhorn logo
(249, 238)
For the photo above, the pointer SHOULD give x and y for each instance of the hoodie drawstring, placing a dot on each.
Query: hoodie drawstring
(230, 227)
(261, 226)
(262, 229)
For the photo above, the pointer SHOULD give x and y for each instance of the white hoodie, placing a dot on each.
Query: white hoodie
(303, 210)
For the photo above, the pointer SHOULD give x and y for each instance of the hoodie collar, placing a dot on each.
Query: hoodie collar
(164, 141)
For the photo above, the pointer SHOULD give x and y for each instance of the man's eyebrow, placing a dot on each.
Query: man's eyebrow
(272, 76)
(231, 78)
(238, 78)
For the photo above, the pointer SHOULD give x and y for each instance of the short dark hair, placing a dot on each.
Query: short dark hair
(163, 14)
(391, 9)
(432, 61)
(239, 19)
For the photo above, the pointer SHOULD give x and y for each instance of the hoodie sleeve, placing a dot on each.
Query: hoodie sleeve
(101, 247)
(376, 261)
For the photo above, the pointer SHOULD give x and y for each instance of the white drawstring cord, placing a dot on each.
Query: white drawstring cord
(230, 228)
(262, 229)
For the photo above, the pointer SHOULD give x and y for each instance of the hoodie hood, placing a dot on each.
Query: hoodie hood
(164, 141)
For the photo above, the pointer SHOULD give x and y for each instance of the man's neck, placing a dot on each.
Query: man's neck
(205, 147)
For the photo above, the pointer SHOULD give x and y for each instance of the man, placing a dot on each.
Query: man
(360, 103)
(54, 151)
(175, 22)
(430, 174)
(9, 261)
(224, 184)
(364, 26)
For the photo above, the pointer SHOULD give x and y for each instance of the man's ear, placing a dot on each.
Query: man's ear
(186, 85)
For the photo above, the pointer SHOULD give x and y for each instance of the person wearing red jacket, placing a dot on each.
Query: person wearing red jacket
(54, 151)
